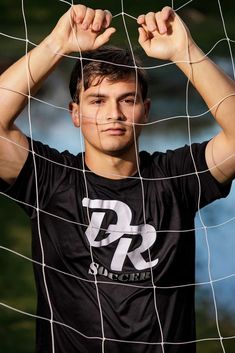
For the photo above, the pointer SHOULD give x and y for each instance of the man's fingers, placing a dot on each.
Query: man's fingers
(150, 22)
(144, 39)
(88, 19)
(78, 13)
(99, 20)
(141, 19)
(167, 12)
(108, 18)
(161, 23)
(104, 37)
(156, 20)
(143, 36)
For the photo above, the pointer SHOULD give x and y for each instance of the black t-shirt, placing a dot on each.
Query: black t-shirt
(119, 268)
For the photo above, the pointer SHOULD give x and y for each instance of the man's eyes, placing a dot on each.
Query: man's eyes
(128, 101)
(97, 101)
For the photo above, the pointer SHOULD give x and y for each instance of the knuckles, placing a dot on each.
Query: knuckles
(87, 14)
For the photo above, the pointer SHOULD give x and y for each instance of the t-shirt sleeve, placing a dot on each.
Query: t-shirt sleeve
(44, 170)
(194, 183)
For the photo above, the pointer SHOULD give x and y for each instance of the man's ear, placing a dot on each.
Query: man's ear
(75, 113)
(147, 105)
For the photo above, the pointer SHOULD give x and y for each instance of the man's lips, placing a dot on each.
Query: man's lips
(114, 130)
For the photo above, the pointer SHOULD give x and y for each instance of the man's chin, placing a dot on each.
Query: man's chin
(120, 151)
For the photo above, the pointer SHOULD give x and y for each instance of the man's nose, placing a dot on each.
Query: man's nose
(115, 112)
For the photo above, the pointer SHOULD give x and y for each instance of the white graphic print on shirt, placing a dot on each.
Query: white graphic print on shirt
(118, 231)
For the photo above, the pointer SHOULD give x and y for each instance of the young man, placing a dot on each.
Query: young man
(115, 252)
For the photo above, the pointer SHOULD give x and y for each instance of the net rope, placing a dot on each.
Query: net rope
(203, 226)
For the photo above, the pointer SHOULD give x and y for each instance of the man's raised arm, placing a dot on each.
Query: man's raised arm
(79, 29)
(163, 35)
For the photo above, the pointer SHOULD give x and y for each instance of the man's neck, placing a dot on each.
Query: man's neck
(111, 166)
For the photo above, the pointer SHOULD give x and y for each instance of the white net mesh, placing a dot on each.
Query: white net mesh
(215, 272)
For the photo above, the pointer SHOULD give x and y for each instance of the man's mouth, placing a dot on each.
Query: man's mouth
(114, 130)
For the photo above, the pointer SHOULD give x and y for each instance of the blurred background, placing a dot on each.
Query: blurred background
(212, 24)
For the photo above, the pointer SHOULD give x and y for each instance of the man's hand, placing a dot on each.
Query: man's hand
(163, 35)
(82, 28)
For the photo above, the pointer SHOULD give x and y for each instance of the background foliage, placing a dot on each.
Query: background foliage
(16, 278)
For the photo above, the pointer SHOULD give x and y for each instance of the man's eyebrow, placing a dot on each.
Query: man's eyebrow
(132, 94)
(96, 95)
(124, 95)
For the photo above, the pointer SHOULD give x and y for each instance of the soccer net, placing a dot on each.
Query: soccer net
(176, 121)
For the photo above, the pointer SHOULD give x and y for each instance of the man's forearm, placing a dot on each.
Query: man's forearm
(25, 77)
(215, 87)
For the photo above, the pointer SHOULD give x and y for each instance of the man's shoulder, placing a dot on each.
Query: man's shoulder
(174, 161)
(50, 154)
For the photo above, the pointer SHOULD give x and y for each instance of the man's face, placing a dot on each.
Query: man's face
(108, 113)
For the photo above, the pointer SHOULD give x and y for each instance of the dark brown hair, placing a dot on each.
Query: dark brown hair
(107, 61)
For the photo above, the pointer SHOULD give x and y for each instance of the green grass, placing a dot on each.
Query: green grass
(17, 331)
